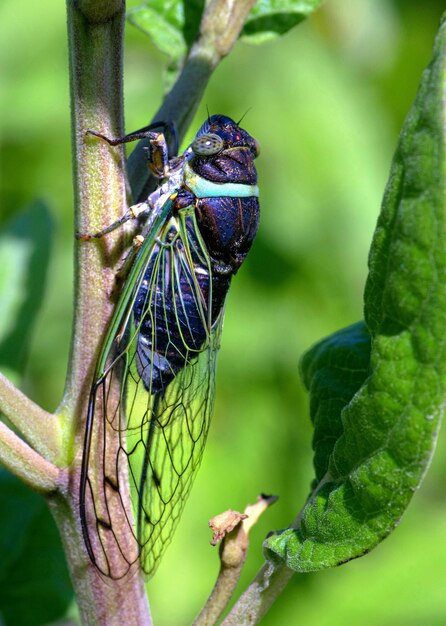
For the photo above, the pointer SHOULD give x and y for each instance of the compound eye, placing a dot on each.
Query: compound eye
(207, 145)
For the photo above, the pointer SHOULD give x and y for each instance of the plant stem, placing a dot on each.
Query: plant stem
(232, 558)
(95, 33)
(40, 429)
(99, 186)
(17, 456)
(102, 602)
(233, 552)
(260, 595)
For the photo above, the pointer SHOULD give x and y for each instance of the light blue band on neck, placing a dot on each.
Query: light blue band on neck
(203, 188)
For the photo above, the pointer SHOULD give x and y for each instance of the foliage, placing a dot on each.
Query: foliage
(173, 26)
(303, 262)
(378, 442)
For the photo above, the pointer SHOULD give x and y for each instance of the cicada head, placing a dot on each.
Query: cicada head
(222, 133)
(224, 152)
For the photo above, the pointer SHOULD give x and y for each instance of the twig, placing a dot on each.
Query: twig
(235, 528)
(260, 595)
(26, 463)
(40, 429)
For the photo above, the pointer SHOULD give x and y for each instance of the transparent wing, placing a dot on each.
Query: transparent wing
(151, 404)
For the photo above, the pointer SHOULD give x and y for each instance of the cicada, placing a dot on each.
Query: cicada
(152, 396)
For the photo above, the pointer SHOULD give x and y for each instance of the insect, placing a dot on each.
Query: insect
(151, 399)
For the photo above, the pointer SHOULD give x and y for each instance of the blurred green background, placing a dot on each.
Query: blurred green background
(326, 104)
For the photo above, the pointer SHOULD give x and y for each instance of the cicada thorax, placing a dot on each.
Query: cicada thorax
(228, 223)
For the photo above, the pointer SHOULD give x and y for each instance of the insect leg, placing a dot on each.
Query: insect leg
(127, 263)
(143, 133)
(132, 213)
(158, 151)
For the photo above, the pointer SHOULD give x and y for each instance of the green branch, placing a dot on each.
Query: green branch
(99, 185)
(234, 528)
(95, 31)
(259, 596)
(25, 463)
(39, 428)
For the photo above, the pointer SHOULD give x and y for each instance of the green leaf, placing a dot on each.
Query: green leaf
(380, 443)
(35, 586)
(269, 19)
(25, 245)
(171, 25)
(333, 371)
